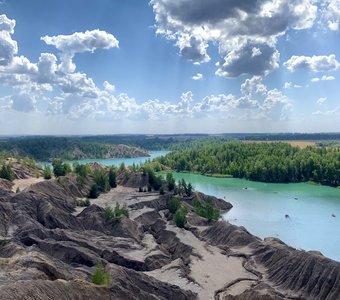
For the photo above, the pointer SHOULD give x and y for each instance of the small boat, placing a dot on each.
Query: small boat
(287, 216)
(296, 198)
(333, 215)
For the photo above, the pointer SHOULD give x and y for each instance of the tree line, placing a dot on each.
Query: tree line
(266, 162)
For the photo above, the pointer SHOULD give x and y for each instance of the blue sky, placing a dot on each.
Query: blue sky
(88, 67)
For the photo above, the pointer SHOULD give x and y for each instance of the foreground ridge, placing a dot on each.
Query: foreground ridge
(49, 250)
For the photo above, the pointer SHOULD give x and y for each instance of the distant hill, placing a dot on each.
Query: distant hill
(48, 148)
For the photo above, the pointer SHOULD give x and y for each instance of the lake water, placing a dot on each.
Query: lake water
(261, 208)
(117, 161)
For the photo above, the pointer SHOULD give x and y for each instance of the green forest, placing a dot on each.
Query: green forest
(266, 162)
(49, 148)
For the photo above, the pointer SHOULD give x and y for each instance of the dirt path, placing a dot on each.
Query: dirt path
(25, 183)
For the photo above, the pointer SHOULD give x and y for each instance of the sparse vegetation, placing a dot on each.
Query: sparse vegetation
(60, 168)
(83, 203)
(174, 204)
(121, 211)
(47, 172)
(6, 172)
(94, 192)
(101, 277)
(180, 217)
(207, 211)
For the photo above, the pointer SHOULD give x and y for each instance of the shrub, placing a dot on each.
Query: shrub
(83, 203)
(180, 217)
(118, 212)
(173, 204)
(60, 168)
(47, 172)
(207, 211)
(108, 213)
(94, 192)
(161, 191)
(170, 182)
(101, 180)
(17, 190)
(6, 172)
(112, 178)
(101, 277)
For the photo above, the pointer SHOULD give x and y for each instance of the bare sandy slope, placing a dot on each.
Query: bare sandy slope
(210, 268)
(25, 183)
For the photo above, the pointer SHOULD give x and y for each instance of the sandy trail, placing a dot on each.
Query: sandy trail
(25, 183)
(210, 268)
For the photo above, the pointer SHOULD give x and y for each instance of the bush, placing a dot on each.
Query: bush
(118, 212)
(207, 211)
(108, 213)
(94, 192)
(170, 182)
(112, 178)
(47, 172)
(173, 205)
(101, 277)
(180, 217)
(6, 172)
(101, 180)
(60, 168)
(161, 191)
(83, 203)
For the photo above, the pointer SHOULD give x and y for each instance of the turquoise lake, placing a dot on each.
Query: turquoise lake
(116, 161)
(261, 209)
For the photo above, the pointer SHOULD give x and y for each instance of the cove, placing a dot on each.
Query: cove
(262, 208)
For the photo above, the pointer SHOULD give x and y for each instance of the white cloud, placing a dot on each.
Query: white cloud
(315, 63)
(321, 100)
(109, 87)
(290, 85)
(8, 47)
(332, 14)
(79, 42)
(323, 78)
(246, 31)
(198, 76)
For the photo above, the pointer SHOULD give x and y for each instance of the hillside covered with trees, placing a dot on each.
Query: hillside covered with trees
(267, 162)
(49, 148)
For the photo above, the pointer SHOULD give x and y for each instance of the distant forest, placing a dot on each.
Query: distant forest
(267, 162)
(48, 148)
(45, 148)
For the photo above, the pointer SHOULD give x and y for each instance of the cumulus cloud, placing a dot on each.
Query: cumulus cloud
(332, 14)
(79, 42)
(109, 87)
(8, 47)
(314, 63)
(323, 78)
(246, 32)
(321, 100)
(198, 76)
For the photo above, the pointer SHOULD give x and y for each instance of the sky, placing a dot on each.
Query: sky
(163, 66)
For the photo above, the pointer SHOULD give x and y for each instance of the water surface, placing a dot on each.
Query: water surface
(261, 208)
(117, 161)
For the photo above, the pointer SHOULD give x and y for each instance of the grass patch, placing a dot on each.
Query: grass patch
(101, 277)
